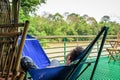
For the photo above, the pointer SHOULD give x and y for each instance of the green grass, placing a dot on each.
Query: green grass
(104, 70)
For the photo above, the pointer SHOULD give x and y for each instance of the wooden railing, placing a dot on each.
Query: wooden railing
(56, 47)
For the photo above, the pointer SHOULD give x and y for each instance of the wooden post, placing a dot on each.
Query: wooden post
(20, 50)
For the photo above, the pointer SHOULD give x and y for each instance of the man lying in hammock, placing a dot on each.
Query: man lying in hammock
(27, 62)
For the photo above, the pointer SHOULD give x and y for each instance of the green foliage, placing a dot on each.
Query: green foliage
(23, 17)
(57, 24)
(30, 6)
(74, 24)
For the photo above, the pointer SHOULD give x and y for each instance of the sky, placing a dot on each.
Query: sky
(93, 8)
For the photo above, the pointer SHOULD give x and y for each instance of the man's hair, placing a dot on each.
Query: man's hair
(75, 53)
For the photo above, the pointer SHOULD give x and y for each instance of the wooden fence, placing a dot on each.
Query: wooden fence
(56, 47)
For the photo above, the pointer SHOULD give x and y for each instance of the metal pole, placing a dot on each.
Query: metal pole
(64, 49)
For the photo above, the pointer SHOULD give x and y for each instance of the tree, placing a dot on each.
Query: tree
(5, 11)
(57, 17)
(93, 23)
(73, 18)
(105, 18)
(30, 6)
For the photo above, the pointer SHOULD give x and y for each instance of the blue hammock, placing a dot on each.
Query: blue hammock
(33, 49)
(71, 72)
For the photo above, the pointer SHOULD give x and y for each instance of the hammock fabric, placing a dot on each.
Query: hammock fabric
(70, 72)
(33, 49)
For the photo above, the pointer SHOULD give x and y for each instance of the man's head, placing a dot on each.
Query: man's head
(73, 54)
(27, 63)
